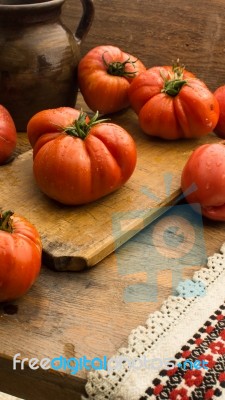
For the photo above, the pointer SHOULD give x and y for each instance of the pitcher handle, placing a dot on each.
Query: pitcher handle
(86, 20)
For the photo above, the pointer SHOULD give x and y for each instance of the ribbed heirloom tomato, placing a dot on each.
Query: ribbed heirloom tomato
(8, 135)
(205, 169)
(172, 103)
(104, 76)
(20, 255)
(78, 160)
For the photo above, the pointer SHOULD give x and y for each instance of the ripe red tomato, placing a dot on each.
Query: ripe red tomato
(77, 160)
(104, 76)
(220, 96)
(172, 103)
(206, 169)
(20, 256)
(8, 135)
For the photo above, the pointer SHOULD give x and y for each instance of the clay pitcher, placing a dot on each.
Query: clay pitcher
(38, 56)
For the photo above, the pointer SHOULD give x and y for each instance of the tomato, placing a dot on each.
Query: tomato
(104, 77)
(220, 96)
(172, 103)
(20, 255)
(50, 121)
(77, 160)
(205, 168)
(8, 135)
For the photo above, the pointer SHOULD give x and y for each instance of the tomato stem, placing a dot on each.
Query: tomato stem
(173, 87)
(118, 68)
(175, 82)
(6, 222)
(81, 127)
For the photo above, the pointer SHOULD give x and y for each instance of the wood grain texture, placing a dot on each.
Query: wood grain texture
(159, 32)
(75, 238)
(80, 314)
(76, 314)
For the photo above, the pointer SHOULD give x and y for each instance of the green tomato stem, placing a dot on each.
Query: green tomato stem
(81, 127)
(118, 68)
(175, 82)
(172, 87)
(6, 221)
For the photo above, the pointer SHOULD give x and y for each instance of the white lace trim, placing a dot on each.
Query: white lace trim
(105, 385)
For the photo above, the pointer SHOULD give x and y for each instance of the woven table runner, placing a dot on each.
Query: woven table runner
(180, 353)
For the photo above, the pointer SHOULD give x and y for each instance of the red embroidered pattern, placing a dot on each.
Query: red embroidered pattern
(195, 384)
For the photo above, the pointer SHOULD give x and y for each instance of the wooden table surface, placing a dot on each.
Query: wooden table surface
(76, 314)
(85, 313)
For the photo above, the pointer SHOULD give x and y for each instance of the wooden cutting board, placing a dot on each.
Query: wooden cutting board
(78, 237)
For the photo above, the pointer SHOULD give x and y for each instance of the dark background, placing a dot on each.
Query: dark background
(160, 31)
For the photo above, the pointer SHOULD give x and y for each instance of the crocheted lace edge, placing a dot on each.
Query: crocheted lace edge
(102, 384)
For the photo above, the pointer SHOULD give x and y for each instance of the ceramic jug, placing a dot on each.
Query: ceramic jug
(38, 56)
